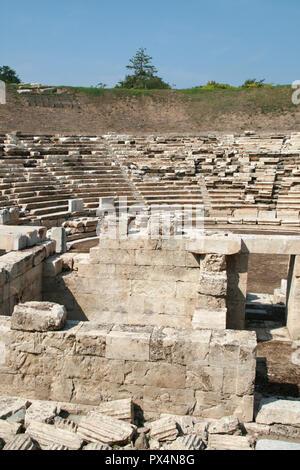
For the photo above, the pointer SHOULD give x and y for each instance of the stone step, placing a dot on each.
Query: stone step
(43, 199)
(46, 204)
(49, 210)
(51, 216)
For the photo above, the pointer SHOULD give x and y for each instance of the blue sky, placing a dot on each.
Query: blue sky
(82, 43)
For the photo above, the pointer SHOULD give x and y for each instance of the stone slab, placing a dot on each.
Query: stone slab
(215, 244)
(38, 316)
(270, 444)
(275, 411)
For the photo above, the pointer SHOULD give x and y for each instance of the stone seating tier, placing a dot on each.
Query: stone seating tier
(39, 174)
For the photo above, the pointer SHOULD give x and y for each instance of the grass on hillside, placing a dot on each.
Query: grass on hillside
(269, 99)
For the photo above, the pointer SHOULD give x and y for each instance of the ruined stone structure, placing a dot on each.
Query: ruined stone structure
(97, 306)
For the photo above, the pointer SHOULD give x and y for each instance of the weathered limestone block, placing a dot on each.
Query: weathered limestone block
(163, 429)
(14, 213)
(11, 405)
(226, 425)
(4, 216)
(190, 442)
(91, 339)
(269, 444)
(67, 424)
(210, 319)
(21, 442)
(119, 409)
(201, 429)
(283, 431)
(156, 374)
(216, 244)
(210, 404)
(179, 346)
(59, 235)
(225, 442)
(129, 343)
(212, 283)
(96, 427)
(52, 266)
(99, 368)
(47, 434)
(157, 400)
(107, 203)
(210, 302)
(38, 316)
(213, 263)
(275, 411)
(75, 205)
(8, 430)
(185, 424)
(256, 430)
(41, 411)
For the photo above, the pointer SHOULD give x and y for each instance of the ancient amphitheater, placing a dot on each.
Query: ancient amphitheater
(150, 291)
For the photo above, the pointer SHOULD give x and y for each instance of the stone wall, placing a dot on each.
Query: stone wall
(152, 282)
(204, 373)
(141, 281)
(21, 275)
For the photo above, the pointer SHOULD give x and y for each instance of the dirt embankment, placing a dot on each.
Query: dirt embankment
(167, 111)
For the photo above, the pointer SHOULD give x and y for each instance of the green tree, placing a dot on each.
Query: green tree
(8, 75)
(144, 73)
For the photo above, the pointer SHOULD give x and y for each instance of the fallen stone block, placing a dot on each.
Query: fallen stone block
(11, 405)
(21, 442)
(255, 429)
(67, 424)
(41, 411)
(119, 409)
(185, 424)
(163, 429)
(225, 442)
(96, 427)
(282, 432)
(226, 425)
(8, 430)
(275, 411)
(189, 442)
(269, 444)
(46, 435)
(38, 316)
(201, 429)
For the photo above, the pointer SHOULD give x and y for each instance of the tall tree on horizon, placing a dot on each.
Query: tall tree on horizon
(144, 73)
